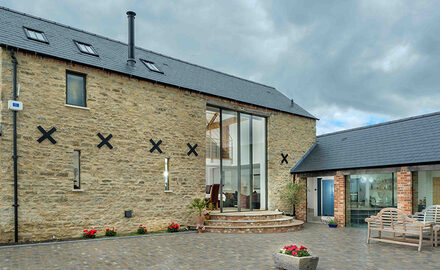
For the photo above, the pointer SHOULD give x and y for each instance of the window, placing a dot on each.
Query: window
(151, 66)
(76, 89)
(86, 48)
(35, 35)
(76, 170)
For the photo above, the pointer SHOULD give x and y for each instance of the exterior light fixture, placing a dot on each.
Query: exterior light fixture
(165, 174)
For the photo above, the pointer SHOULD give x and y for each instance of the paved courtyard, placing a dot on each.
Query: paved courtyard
(343, 248)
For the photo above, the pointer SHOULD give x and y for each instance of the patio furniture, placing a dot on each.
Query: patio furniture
(431, 214)
(394, 221)
(213, 198)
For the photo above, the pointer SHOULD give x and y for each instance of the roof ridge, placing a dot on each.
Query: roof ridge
(381, 124)
(142, 49)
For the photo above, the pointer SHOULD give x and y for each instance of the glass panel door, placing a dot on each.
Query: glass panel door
(245, 161)
(229, 159)
(258, 163)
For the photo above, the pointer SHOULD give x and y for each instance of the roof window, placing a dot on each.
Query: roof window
(151, 66)
(35, 35)
(86, 48)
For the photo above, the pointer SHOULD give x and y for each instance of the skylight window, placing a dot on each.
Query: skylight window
(35, 35)
(151, 66)
(85, 48)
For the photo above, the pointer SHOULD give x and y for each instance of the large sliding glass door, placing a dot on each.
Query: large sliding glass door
(241, 160)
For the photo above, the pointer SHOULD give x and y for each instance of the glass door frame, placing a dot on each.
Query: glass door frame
(251, 208)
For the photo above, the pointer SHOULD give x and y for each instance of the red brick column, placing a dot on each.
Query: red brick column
(404, 191)
(339, 194)
(301, 210)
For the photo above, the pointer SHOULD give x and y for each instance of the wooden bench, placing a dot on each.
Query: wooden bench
(431, 214)
(394, 221)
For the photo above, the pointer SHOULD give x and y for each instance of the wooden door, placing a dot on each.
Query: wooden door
(436, 190)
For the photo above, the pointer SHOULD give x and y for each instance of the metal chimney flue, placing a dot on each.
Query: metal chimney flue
(131, 55)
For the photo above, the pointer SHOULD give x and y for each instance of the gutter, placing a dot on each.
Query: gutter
(15, 156)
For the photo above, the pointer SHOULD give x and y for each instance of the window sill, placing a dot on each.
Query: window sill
(168, 191)
(77, 190)
(77, 107)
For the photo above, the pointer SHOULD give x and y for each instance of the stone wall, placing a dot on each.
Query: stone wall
(286, 135)
(127, 177)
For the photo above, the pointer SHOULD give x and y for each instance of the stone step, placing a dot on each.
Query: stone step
(250, 222)
(294, 225)
(255, 215)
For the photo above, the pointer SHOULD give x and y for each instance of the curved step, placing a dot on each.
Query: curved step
(256, 215)
(293, 226)
(253, 222)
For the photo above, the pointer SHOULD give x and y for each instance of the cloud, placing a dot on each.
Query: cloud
(348, 62)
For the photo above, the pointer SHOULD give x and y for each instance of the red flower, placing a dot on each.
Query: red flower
(107, 229)
(85, 231)
(302, 247)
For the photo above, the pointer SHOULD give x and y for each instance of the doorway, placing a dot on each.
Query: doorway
(320, 198)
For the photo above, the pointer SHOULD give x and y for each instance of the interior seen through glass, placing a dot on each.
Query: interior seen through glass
(243, 157)
(367, 194)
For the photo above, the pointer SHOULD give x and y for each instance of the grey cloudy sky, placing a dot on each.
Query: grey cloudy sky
(350, 63)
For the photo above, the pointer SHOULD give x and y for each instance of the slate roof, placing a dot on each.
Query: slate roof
(113, 57)
(413, 140)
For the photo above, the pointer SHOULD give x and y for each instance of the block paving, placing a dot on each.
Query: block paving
(342, 248)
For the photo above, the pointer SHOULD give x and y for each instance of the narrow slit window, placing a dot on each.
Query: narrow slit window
(86, 48)
(76, 169)
(151, 66)
(35, 35)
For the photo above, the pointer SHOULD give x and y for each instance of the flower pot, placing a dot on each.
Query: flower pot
(290, 262)
(201, 231)
(333, 225)
(200, 220)
(207, 217)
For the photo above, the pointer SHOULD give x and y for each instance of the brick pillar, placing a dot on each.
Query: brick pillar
(404, 191)
(301, 210)
(339, 193)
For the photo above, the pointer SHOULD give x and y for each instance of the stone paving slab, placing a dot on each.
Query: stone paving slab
(342, 248)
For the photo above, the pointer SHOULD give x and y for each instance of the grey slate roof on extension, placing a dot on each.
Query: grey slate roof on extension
(412, 140)
(113, 57)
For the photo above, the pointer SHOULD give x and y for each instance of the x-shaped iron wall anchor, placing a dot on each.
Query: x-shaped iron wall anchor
(284, 158)
(105, 141)
(155, 146)
(192, 149)
(46, 135)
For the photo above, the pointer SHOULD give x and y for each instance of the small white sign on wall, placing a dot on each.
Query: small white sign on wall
(15, 105)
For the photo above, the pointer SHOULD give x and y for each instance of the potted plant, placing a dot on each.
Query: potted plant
(207, 215)
(293, 257)
(197, 206)
(111, 232)
(332, 223)
(89, 233)
(294, 194)
(173, 227)
(201, 228)
(142, 229)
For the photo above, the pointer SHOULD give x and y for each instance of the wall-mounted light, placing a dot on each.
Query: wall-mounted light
(165, 174)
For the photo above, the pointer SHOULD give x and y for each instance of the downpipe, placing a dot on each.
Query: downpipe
(15, 156)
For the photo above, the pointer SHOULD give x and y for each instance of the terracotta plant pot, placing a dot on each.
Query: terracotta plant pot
(290, 262)
(201, 231)
(207, 217)
(200, 220)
